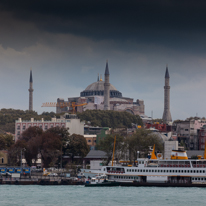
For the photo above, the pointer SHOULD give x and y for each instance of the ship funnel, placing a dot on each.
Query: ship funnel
(179, 155)
(153, 156)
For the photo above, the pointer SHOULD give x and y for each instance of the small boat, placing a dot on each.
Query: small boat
(101, 181)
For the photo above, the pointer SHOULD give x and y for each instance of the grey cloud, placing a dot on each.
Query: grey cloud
(166, 22)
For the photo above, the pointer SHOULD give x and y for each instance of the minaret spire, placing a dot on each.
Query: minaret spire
(106, 88)
(98, 77)
(31, 91)
(166, 114)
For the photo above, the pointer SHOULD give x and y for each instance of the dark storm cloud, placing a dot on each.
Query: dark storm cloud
(164, 22)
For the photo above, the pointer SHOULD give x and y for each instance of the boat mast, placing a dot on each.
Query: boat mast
(113, 150)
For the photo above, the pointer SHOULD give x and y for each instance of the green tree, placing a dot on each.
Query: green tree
(140, 141)
(32, 144)
(49, 148)
(107, 145)
(77, 146)
(6, 141)
(112, 119)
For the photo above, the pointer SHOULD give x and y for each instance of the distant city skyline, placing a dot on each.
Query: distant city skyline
(67, 44)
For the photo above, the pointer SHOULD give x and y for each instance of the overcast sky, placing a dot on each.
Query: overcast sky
(67, 44)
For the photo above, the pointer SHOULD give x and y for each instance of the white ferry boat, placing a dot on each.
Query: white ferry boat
(178, 169)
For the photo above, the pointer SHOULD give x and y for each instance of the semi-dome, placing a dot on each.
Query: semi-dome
(97, 89)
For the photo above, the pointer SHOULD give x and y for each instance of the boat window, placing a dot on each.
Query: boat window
(188, 171)
(198, 178)
(164, 171)
(167, 170)
(152, 170)
(201, 178)
(185, 171)
(104, 169)
(195, 178)
(175, 170)
(132, 170)
(158, 171)
(170, 170)
(143, 170)
(182, 171)
(135, 170)
(200, 171)
(149, 170)
(140, 170)
(155, 170)
(161, 170)
(197, 171)
(178, 170)
(146, 170)
(194, 171)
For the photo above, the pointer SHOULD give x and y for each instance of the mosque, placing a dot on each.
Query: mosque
(101, 95)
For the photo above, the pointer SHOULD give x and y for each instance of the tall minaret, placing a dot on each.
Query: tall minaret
(31, 91)
(106, 88)
(166, 114)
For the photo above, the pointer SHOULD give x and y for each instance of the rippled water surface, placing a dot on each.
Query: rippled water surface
(17, 195)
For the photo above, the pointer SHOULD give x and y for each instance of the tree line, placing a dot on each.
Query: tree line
(48, 145)
(109, 118)
(127, 148)
(101, 118)
(9, 116)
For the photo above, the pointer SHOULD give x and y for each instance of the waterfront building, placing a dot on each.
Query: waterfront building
(102, 95)
(201, 137)
(69, 121)
(187, 132)
(91, 140)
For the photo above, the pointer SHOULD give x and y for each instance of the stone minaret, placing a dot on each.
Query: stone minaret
(166, 114)
(31, 92)
(106, 88)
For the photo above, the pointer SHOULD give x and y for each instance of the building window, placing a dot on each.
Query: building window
(89, 140)
(18, 133)
(51, 126)
(40, 126)
(2, 160)
(45, 127)
(186, 129)
(18, 127)
(24, 127)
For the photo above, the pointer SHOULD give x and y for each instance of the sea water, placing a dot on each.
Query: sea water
(36, 195)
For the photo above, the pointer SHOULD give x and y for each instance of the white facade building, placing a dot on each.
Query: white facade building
(71, 122)
(168, 147)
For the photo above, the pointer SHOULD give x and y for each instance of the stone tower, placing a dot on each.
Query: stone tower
(30, 92)
(106, 88)
(166, 114)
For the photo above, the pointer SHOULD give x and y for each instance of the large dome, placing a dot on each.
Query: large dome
(97, 88)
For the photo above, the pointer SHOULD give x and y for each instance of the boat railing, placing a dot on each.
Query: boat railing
(198, 165)
(174, 165)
